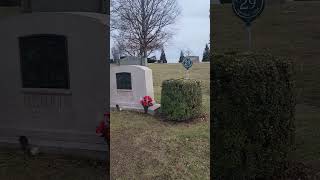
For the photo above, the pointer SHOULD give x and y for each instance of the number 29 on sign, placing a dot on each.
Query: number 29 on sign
(247, 4)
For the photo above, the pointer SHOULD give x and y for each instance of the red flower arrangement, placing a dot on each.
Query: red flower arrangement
(146, 102)
(104, 128)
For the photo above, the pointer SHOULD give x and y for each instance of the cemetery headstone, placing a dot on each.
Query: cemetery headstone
(130, 83)
(54, 78)
(131, 60)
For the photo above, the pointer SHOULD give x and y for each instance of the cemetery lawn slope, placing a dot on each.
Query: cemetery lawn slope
(144, 147)
(15, 165)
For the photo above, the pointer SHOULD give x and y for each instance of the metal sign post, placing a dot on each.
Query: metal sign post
(187, 64)
(248, 11)
(187, 74)
(248, 27)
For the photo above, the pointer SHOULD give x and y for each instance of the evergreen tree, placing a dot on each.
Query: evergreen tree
(206, 54)
(163, 58)
(181, 57)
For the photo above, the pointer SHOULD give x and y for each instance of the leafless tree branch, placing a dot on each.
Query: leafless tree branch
(143, 26)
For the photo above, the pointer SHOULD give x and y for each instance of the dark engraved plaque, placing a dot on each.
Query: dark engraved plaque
(44, 61)
(124, 81)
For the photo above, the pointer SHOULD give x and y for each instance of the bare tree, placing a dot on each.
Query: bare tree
(112, 17)
(143, 26)
(118, 50)
(115, 53)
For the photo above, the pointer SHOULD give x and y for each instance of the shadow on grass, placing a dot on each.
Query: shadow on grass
(14, 164)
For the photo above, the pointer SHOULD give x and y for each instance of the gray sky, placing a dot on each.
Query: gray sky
(192, 30)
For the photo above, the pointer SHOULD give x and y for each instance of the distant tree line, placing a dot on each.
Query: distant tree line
(206, 54)
(163, 58)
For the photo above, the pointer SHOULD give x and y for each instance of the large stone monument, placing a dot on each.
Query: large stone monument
(54, 76)
(129, 83)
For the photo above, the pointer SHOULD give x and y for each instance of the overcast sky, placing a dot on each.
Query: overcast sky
(193, 30)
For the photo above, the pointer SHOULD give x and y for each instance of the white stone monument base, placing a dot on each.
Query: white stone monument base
(137, 107)
(78, 144)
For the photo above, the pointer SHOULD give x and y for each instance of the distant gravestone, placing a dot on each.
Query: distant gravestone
(194, 59)
(132, 60)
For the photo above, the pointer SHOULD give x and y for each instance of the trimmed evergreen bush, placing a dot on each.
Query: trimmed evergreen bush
(253, 107)
(181, 99)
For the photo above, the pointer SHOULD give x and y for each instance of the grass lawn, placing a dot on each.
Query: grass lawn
(16, 166)
(144, 147)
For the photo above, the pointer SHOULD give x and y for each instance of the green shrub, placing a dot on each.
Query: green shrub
(181, 99)
(253, 106)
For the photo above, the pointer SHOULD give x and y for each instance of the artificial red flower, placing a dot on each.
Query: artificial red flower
(103, 128)
(107, 115)
(146, 101)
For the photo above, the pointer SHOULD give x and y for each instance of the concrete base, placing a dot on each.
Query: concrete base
(73, 153)
(73, 144)
(152, 110)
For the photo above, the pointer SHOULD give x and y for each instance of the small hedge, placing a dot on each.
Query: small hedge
(253, 108)
(181, 99)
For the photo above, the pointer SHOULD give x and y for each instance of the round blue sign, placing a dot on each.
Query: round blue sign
(187, 63)
(248, 10)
